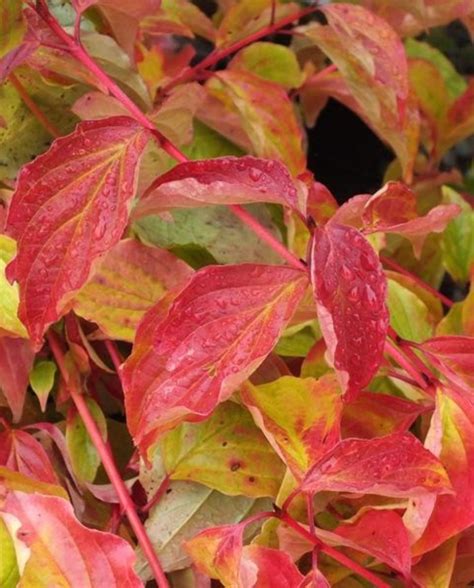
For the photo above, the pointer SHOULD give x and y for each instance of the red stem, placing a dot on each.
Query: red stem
(35, 110)
(400, 358)
(333, 553)
(218, 54)
(157, 496)
(109, 465)
(81, 55)
(114, 354)
(401, 270)
(266, 236)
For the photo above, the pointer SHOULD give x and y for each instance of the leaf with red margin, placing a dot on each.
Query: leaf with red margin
(126, 283)
(349, 289)
(300, 417)
(224, 180)
(453, 356)
(192, 353)
(16, 361)
(374, 415)
(219, 553)
(69, 207)
(266, 114)
(371, 58)
(101, 559)
(393, 210)
(379, 533)
(452, 437)
(22, 453)
(396, 465)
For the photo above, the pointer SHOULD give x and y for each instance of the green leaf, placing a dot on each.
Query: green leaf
(455, 83)
(54, 101)
(297, 343)
(84, 457)
(409, 316)
(128, 281)
(42, 380)
(9, 296)
(182, 512)
(208, 143)
(270, 61)
(226, 452)
(12, 27)
(457, 242)
(214, 228)
(9, 573)
(300, 417)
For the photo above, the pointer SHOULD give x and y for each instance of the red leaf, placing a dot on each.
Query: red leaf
(396, 465)
(375, 415)
(219, 553)
(393, 210)
(69, 207)
(349, 289)
(451, 435)
(225, 180)
(453, 356)
(275, 568)
(22, 453)
(380, 533)
(16, 361)
(78, 556)
(193, 355)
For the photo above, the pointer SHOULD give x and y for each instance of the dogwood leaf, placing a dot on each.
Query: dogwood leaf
(226, 452)
(451, 437)
(102, 559)
(264, 113)
(395, 465)
(69, 207)
(129, 280)
(22, 453)
(16, 361)
(225, 180)
(349, 289)
(300, 417)
(189, 357)
(371, 59)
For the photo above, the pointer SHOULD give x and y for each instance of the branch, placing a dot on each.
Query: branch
(109, 464)
(81, 55)
(401, 270)
(218, 54)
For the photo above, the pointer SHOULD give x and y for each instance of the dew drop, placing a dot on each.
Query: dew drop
(269, 166)
(255, 174)
(368, 262)
(241, 165)
(370, 297)
(353, 294)
(347, 274)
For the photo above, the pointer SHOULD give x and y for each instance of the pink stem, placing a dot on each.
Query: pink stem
(114, 354)
(109, 465)
(333, 553)
(219, 54)
(266, 236)
(157, 496)
(401, 270)
(400, 358)
(81, 55)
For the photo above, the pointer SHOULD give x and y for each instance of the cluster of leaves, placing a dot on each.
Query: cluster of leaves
(208, 369)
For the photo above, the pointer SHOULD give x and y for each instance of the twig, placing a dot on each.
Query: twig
(218, 54)
(35, 110)
(400, 358)
(109, 464)
(81, 55)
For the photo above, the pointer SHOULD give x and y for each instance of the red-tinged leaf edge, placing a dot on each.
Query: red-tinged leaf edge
(70, 207)
(223, 180)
